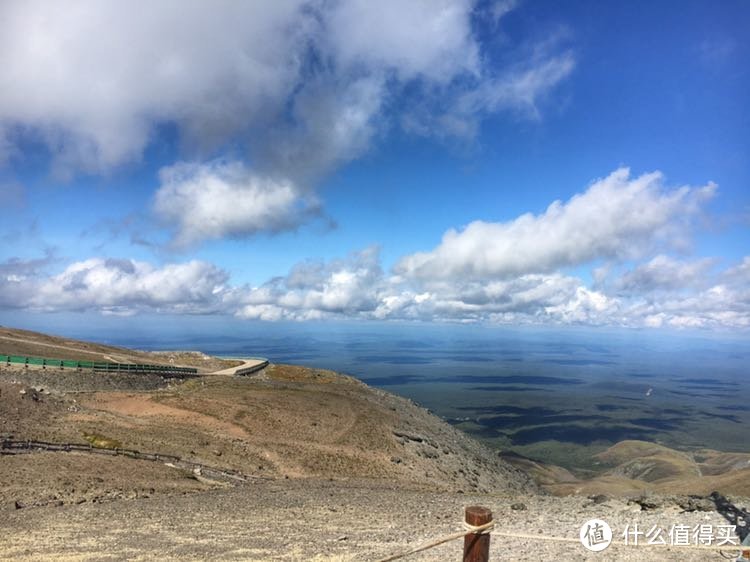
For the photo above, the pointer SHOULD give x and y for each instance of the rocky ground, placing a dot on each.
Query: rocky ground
(314, 519)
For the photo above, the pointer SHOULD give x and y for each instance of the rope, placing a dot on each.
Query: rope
(479, 529)
(487, 528)
(441, 540)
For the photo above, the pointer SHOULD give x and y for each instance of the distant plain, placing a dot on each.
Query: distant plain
(560, 397)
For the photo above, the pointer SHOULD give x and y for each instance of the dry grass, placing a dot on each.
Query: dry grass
(101, 442)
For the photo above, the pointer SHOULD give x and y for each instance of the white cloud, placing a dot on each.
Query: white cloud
(128, 286)
(18, 280)
(420, 38)
(498, 273)
(218, 199)
(93, 78)
(348, 287)
(333, 122)
(356, 287)
(720, 306)
(665, 273)
(617, 217)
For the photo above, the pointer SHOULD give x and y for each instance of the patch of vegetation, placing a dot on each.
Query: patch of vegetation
(101, 442)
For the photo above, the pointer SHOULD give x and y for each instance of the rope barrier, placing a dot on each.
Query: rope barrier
(487, 528)
(441, 540)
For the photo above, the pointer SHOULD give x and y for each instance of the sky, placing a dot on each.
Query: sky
(509, 163)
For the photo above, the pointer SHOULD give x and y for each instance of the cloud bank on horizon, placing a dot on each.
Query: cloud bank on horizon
(240, 115)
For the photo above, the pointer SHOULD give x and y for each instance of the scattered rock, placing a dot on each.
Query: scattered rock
(696, 503)
(428, 453)
(409, 436)
(648, 503)
(598, 499)
(518, 506)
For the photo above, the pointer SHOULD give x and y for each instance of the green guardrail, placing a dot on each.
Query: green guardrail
(96, 366)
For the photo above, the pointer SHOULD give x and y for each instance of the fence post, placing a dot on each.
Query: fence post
(477, 547)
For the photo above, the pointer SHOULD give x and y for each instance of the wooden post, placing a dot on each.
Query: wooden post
(477, 547)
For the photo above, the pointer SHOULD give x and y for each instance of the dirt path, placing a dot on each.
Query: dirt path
(248, 363)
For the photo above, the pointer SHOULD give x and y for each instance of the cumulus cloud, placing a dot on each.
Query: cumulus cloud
(616, 217)
(119, 287)
(223, 198)
(507, 273)
(92, 79)
(18, 278)
(347, 287)
(720, 306)
(357, 287)
(665, 273)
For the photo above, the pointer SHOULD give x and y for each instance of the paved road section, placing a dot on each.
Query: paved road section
(249, 363)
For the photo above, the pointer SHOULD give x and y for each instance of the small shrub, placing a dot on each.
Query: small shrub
(101, 442)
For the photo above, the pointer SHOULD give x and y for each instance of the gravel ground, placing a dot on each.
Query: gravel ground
(325, 520)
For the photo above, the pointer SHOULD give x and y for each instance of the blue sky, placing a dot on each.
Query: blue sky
(394, 161)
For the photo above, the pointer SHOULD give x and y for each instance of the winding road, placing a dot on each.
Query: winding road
(248, 364)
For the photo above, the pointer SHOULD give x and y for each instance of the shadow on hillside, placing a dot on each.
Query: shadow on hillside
(733, 514)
